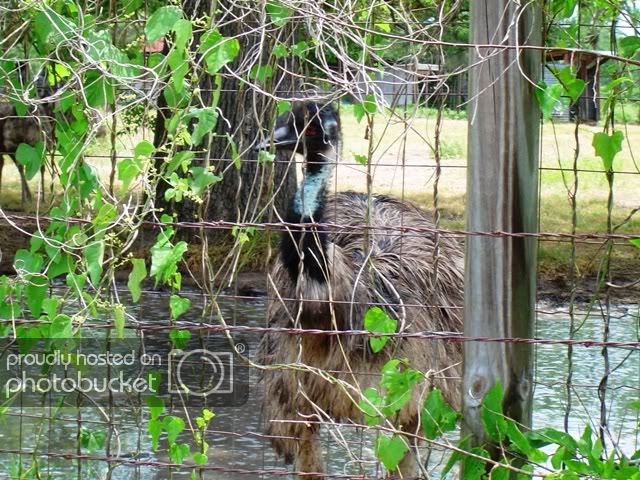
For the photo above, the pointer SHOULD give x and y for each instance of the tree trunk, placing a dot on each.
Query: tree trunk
(253, 192)
(502, 191)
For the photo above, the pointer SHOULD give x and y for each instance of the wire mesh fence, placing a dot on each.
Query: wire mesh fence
(188, 182)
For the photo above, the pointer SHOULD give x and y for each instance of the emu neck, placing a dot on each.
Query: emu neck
(309, 199)
(301, 246)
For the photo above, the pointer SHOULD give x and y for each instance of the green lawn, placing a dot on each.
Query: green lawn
(403, 165)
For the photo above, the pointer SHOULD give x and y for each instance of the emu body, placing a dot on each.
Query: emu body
(29, 129)
(328, 279)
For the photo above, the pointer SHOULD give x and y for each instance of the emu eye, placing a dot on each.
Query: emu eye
(311, 131)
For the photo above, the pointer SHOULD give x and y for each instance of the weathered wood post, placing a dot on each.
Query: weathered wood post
(502, 195)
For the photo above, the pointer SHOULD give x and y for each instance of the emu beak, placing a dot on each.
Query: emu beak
(282, 136)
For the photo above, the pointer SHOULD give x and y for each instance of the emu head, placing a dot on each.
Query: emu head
(307, 128)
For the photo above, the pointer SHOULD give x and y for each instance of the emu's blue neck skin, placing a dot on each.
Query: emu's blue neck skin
(309, 197)
(308, 245)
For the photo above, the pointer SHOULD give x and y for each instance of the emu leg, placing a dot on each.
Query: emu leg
(26, 193)
(407, 466)
(42, 172)
(309, 458)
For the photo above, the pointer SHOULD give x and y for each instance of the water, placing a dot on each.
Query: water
(550, 397)
(234, 435)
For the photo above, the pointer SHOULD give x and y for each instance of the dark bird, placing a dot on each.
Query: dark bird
(37, 125)
(328, 278)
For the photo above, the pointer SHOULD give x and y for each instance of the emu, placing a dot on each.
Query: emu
(327, 279)
(36, 126)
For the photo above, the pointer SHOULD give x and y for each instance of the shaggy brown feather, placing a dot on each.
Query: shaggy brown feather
(381, 266)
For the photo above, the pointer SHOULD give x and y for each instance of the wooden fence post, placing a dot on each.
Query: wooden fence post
(502, 196)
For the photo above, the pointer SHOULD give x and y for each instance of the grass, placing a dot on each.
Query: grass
(402, 164)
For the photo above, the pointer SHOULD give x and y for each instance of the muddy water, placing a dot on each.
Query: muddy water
(234, 439)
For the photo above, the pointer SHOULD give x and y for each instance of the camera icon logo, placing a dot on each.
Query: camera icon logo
(200, 372)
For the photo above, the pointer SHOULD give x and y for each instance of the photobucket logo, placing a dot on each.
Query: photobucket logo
(77, 384)
(200, 372)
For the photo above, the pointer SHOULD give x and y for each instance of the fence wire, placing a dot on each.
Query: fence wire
(149, 122)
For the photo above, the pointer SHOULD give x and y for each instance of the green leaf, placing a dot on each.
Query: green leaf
(493, 419)
(578, 467)
(119, 320)
(207, 120)
(179, 69)
(499, 472)
(261, 73)
(161, 22)
(180, 160)
(144, 149)
(517, 438)
(173, 426)
(456, 456)
(300, 49)
(178, 453)
(183, 30)
(154, 427)
(200, 458)
(573, 86)
(137, 275)
(280, 50)
(390, 451)
(562, 475)
(278, 13)
(61, 327)
(371, 405)
(607, 147)
(368, 106)
(558, 457)
(472, 467)
(266, 157)
(437, 416)
(549, 97)
(202, 180)
(179, 338)
(50, 306)
(383, 27)
(94, 255)
(361, 159)
(358, 112)
(164, 259)
(563, 8)
(178, 306)
(399, 384)
(25, 261)
(36, 291)
(27, 338)
(52, 29)
(546, 436)
(92, 440)
(218, 50)
(207, 414)
(629, 46)
(153, 381)
(32, 158)
(585, 443)
(105, 216)
(527, 467)
(376, 320)
(128, 169)
(283, 106)
(155, 405)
